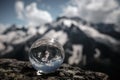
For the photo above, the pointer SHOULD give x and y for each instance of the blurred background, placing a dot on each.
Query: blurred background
(89, 31)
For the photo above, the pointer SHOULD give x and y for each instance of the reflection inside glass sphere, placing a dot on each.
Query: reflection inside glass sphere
(46, 55)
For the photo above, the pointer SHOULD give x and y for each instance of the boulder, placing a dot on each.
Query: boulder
(12, 69)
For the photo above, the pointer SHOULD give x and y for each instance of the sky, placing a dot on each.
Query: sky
(8, 13)
(38, 12)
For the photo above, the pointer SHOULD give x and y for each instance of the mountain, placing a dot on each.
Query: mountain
(87, 45)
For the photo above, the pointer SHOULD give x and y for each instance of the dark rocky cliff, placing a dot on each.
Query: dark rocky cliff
(89, 46)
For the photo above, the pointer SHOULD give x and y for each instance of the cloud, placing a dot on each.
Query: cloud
(36, 16)
(96, 11)
(114, 17)
(19, 7)
(2, 28)
(32, 14)
(71, 10)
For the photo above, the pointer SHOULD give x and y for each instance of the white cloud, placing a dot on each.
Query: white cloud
(70, 11)
(114, 17)
(19, 7)
(95, 11)
(36, 16)
(2, 28)
(32, 14)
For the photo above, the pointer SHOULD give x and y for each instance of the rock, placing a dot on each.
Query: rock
(85, 44)
(12, 69)
(2, 47)
(109, 29)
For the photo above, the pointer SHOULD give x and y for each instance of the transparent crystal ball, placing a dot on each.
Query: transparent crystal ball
(46, 55)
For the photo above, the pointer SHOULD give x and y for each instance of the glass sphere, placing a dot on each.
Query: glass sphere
(46, 55)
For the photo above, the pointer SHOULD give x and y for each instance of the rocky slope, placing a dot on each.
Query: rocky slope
(90, 46)
(11, 69)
